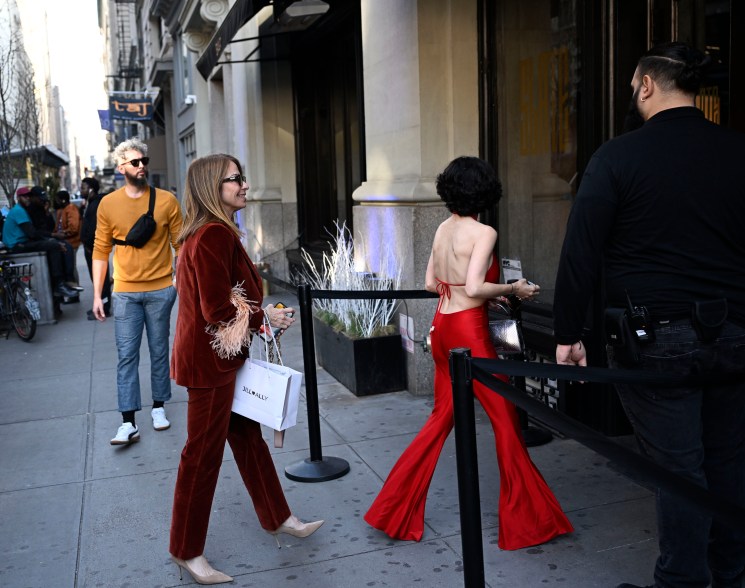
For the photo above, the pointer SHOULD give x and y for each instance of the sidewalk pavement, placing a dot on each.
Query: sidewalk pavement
(76, 511)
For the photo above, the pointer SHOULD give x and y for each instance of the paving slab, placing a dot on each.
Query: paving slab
(39, 535)
(33, 457)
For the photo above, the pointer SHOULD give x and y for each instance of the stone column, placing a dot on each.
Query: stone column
(264, 133)
(421, 111)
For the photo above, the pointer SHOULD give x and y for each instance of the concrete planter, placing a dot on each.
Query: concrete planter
(365, 366)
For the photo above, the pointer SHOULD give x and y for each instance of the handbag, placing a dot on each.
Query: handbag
(268, 393)
(143, 229)
(505, 332)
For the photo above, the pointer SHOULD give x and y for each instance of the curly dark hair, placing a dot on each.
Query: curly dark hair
(468, 185)
(675, 66)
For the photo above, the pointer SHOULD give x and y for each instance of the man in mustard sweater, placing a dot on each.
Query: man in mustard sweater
(143, 285)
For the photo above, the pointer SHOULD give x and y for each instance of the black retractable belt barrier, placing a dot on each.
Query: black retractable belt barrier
(634, 465)
(318, 468)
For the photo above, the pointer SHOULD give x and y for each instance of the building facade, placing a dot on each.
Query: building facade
(346, 110)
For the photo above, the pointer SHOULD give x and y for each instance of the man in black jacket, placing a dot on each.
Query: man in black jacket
(89, 188)
(660, 214)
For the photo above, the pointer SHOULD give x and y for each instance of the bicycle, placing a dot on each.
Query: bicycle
(17, 305)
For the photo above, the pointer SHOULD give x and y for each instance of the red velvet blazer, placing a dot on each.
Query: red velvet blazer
(211, 262)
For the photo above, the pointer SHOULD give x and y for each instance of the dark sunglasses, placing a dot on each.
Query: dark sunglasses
(136, 162)
(237, 178)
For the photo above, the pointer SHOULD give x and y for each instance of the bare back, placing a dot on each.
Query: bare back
(461, 255)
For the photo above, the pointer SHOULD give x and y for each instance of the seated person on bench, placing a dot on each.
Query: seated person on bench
(20, 236)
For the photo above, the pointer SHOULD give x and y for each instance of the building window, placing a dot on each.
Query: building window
(189, 147)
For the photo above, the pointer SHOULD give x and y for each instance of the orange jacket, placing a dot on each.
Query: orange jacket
(68, 222)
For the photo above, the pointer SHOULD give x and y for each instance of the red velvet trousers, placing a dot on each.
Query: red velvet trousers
(210, 423)
(529, 513)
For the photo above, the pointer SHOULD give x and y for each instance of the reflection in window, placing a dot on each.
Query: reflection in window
(548, 96)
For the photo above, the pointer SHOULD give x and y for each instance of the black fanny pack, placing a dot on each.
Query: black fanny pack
(143, 229)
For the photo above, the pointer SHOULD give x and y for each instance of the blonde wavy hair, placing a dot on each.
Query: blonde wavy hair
(202, 203)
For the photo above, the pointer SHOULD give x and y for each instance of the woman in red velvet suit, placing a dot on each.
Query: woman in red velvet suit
(462, 269)
(219, 307)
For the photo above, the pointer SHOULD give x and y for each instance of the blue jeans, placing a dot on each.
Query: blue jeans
(698, 433)
(132, 312)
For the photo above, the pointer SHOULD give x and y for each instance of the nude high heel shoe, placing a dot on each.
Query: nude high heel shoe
(201, 570)
(295, 527)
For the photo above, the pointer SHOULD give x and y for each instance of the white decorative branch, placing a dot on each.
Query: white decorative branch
(361, 317)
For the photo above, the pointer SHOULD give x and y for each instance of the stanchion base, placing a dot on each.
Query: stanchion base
(328, 468)
(534, 436)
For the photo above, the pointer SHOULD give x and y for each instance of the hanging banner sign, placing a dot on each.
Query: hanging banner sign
(131, 108)
(106, 122)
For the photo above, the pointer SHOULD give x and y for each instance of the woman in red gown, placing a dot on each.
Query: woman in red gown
(462, 270)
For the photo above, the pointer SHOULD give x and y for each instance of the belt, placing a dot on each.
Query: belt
(671, 319)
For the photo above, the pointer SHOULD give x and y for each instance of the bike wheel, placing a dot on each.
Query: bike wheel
(24, 323)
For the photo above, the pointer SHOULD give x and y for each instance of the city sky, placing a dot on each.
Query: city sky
(75, 62)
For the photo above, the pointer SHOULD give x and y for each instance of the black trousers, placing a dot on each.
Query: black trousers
(106, 291)
(55, 256)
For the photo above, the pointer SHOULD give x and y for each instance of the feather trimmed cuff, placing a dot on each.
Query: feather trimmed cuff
(229, 339)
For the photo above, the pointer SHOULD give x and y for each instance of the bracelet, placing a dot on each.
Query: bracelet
(513, 288)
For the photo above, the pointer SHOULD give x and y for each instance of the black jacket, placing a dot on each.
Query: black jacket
(88, 227)
(662, 211)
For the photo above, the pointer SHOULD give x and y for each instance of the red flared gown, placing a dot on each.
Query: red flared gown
(529, 513)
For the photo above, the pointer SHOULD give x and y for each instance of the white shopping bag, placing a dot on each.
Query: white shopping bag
(267, 393)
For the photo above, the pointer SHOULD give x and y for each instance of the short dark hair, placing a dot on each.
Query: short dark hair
(675, 66)
(468, 185)
(92, 184)
(62, 197)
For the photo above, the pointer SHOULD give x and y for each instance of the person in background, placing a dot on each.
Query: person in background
(89, 188)
(143, 290)
(219, 308)
(45, 223)
(68, 226)
(659, 217)
(41, 212)
(463, 270)
(20, 236)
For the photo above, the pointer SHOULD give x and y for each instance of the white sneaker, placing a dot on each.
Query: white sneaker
(126, 434)
(160, 422)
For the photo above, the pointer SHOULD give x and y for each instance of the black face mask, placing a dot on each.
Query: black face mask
(634, 119)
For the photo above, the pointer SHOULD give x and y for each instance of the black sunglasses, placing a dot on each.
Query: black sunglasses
(136, 161)
(237, 178)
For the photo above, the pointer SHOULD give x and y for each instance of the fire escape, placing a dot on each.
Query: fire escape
(129, 68)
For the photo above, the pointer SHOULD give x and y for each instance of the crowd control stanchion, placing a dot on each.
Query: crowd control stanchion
(467, 467)
(316, 468)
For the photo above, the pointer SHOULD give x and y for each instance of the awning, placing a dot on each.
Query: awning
(241, 12)
(48, 154)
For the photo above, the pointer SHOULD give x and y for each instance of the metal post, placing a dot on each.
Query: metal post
(317, 468)
(468, 468)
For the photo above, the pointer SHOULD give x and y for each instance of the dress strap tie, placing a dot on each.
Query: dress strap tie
(443, 288)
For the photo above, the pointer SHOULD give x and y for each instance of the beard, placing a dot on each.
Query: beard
(134, 179)
(634, 118)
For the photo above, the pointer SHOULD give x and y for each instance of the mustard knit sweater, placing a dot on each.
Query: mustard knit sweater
(150, 267)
